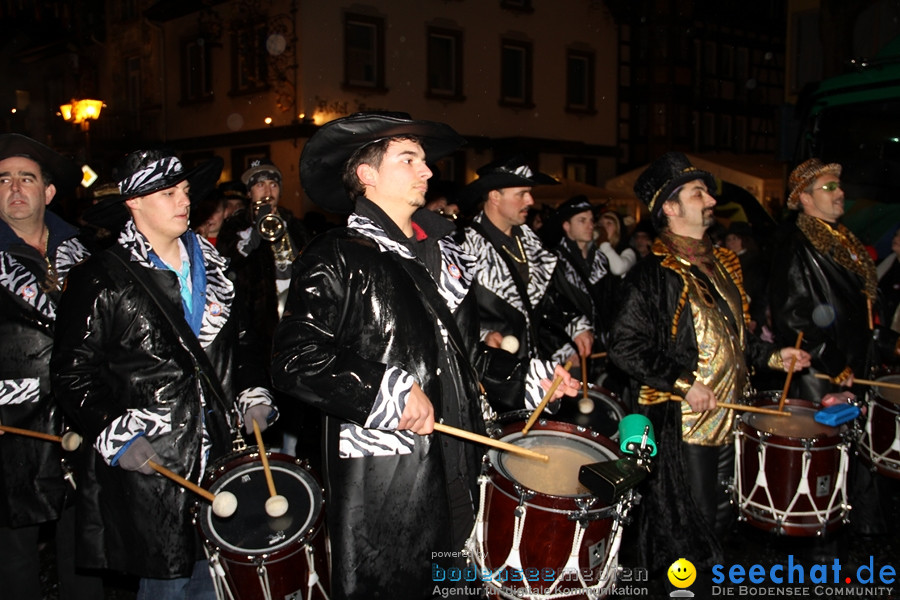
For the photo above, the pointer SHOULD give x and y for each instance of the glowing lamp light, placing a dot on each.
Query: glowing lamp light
(80, 112)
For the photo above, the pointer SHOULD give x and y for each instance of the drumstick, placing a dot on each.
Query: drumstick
(483, 439)
(598, 355)
(70, 440)
(540, 407)
(787, 380)
(884, 384)
(223, 504)
(276, 505)
(756, 409)
(584, 379)
(188, 485)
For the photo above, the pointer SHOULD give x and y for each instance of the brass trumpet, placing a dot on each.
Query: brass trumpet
(270, 226)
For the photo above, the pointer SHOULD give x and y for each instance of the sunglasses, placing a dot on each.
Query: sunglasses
(829, 187)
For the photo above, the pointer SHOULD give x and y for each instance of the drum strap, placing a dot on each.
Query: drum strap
(435, 304)
(183, 331)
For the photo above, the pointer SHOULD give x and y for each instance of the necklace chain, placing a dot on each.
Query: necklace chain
(521, 259)
(51, 281)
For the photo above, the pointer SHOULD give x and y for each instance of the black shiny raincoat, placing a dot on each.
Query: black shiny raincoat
(116, 350)
(812, 293)
(32, 488)
(353, 312)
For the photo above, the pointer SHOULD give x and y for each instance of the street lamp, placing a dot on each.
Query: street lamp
(82, 112)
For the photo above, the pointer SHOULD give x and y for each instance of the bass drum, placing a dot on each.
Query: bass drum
(600, 412)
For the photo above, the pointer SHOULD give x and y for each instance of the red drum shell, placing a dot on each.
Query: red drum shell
(250, 538)
(880, 440)
(786, 441)
(549, 530)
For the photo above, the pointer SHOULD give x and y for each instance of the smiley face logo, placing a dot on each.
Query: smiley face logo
(682, 573)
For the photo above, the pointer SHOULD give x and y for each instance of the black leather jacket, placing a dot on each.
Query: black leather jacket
(356, 312)
(812, 293)
(115, 352)
(32, 488)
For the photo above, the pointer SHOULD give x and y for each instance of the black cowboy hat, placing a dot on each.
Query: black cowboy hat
(324, 155)
(148, 171)
(666, 174)
(506, 172)
(573, 206)
(64, 173)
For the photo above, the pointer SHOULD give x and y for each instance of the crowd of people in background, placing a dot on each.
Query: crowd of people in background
(344, 334)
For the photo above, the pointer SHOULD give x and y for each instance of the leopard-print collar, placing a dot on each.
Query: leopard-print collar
(837, 242)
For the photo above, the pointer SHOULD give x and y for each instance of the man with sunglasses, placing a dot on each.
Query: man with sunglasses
(824, 285)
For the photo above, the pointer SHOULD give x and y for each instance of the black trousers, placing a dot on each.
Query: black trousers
(710, 469)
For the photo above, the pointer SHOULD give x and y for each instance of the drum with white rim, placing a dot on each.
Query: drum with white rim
(253, 555)
(791, 472)
(539, 533)
(880, 443)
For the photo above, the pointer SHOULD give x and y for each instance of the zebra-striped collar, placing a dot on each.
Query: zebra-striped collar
(219, 289)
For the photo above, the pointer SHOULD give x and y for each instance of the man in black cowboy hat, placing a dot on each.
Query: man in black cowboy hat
(583, 267)
(681, 335)
(37, 249)
(147, 362)
(518, 297)
(380, 333)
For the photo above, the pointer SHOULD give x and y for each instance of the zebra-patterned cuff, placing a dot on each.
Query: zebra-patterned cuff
(20, 391)
(537, 370)
(118, 434)
(393, 393)
(121, 430)
(254, 396)
(578, 326)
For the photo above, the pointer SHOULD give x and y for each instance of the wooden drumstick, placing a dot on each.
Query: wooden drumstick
(884, 384)
(276, 505)
(540, 407)
(483, 439)
(756, 409)
(70, 440)
(584, 377)
(598, 355)
(787, 381)
(223, 504)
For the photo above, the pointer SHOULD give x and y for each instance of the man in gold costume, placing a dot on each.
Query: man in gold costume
(681, 335)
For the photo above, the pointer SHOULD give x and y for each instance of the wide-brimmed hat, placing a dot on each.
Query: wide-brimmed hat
(804, 175)
(573, 206)
(505, 173)
(148, 171)
(327, 151)
(261, 168)
(64, 173)
(665, 175)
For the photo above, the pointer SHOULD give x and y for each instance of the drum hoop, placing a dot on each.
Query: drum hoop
(303, 534)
